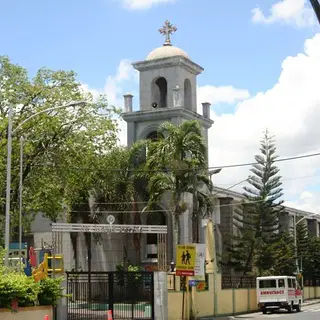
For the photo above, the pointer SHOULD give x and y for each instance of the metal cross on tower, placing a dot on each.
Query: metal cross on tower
(167, 30)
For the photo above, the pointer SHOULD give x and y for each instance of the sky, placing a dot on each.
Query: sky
(261, 61)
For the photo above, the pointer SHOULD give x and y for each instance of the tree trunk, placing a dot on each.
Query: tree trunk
(249, 259)
(195, 218)
(176, 230)
(88, 238)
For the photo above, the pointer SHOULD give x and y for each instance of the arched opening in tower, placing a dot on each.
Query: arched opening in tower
(155, 217)
(159, 92)
(187, 95)
(154, 136)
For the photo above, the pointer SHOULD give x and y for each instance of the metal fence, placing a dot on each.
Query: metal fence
(311, 282)
(238, 282)
(246, 282)
(129, 295)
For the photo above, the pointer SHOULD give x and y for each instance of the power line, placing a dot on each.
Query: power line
(282, 179)
(215, 193)
(151, 211)
(237, 165)
(276, 160)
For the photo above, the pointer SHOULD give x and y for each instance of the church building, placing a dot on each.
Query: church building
(168, 92)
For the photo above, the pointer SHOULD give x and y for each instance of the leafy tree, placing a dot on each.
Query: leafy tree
(303, 241)
(311, 262)
(258, 222)
(178, 163)
(281, 254)
(57, 143)
(117, 189)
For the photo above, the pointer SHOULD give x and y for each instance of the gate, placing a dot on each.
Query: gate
(130, 295)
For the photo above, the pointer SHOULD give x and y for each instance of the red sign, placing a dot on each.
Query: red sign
(272, 292)
(187, 273)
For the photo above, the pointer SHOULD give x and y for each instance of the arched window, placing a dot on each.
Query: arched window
(154, 218)
(187, 95)
(159, 91)
(154, 136)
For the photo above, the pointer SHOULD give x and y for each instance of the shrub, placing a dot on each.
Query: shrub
(18, 287)
(50, 291)
(19, 290)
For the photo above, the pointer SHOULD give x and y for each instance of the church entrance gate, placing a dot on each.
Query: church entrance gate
(129, 295)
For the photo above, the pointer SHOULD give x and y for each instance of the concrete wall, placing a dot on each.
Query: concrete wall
(217, 301)
(30, 313)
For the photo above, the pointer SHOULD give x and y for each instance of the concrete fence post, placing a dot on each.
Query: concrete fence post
(62, 307)
(160, 296)
(233, 301)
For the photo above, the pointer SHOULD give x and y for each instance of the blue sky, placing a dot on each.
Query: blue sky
(240, 49)
(91, 37)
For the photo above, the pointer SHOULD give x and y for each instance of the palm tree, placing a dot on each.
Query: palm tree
(177, 164)
(111, 190)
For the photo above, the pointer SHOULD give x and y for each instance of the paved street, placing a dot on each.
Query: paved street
(309, 312)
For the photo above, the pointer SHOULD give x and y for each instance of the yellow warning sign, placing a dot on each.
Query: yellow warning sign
(185, 259)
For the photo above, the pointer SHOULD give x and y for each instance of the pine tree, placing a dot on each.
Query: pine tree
(258, 221)
(303, 241)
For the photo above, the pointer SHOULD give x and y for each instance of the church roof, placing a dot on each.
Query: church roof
(166, 51)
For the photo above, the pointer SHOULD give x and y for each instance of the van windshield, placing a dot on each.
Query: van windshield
(263, 284)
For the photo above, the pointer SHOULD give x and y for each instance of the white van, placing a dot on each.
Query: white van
(278, 293)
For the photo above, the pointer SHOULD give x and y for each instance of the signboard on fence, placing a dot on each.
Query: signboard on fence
(200, 259)
(185, 260)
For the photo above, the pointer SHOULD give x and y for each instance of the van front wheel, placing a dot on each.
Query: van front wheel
(264, 310)
(290, 308)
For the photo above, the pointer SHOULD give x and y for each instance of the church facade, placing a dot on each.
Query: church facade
(167, 92)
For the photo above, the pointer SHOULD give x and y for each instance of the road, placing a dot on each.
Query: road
(310, 312)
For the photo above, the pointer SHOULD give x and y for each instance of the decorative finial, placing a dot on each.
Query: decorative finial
(167, 30)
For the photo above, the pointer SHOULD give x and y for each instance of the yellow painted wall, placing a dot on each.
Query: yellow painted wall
(204, 301)
(228, 301)
(26, 313)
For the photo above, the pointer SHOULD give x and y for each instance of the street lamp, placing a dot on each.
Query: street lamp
(295, 223)
(9, 154)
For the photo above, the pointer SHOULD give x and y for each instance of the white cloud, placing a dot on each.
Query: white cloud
(291, 111)
(144, 4)
(295, 12)
(221, 94)
(113, 85)
(309, 202)
(113, 90)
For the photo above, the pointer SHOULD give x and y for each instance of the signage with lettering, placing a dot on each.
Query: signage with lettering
(185, 260)
(265, 292)
(108, 228)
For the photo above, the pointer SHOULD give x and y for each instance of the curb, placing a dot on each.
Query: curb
(310, 303)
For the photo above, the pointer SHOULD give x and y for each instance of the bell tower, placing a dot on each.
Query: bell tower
(168, 91)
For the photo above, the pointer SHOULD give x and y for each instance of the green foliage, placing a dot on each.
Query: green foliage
(19, 287)
(311, 259)
(258, 222)
(130, 280)
(59, 145)
(282, 256)
(16, 286)
(178, 158)
(50, 291)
